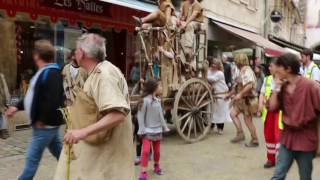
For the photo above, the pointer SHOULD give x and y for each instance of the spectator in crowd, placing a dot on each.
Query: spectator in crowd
(135, 73)
(272, 119)
(258, 70)
(221, 112)
(73, 79)
(245, 101)
(42, 103)
(235, 72)
(4, 101)
(309, 69)
(299, 99)
(227, 71)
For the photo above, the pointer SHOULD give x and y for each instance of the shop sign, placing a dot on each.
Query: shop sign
(87, 6)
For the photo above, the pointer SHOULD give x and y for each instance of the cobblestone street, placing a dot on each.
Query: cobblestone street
(210, 159)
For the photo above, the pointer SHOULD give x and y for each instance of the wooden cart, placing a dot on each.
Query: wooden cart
(190, 103)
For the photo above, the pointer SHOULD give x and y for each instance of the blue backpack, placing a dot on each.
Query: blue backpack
(46, 71)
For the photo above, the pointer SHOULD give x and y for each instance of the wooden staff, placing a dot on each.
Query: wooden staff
(66, 116)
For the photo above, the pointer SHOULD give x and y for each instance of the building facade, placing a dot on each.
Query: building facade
(244, 14)
(312, 24)
(238, 25)
(291, 26)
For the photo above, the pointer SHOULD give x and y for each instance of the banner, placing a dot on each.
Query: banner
(87, 6)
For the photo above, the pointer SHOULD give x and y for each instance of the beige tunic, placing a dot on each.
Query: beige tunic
(248, 105)
(107, 155)
(188, 37)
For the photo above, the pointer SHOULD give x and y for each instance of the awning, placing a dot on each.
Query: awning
(138, 5)
(270, 48)
(285, 43)
(291, 47)
(115, 14)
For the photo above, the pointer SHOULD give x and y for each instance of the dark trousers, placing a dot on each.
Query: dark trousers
(138, 139)
(219, 126)
(285, 160)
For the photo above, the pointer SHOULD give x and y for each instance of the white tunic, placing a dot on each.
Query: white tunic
(221, 110)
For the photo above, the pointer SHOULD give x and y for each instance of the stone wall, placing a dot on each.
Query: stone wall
(245, 14)
(8, 57)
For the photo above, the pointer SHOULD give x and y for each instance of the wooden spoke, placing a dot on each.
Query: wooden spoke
(202, 97)
(195, 127)
(189, 90)
(184, 116)
(186, 123)
(190, 127)
(204, 104)
(206, 112)
(184, 108)
(201, 121)
(186, 102)
(198, 94)
(194, 92)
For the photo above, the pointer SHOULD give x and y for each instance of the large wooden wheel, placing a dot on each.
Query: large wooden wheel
(193, 108)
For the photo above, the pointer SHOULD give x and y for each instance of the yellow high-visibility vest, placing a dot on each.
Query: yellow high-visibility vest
(309, 72)
(267, 94)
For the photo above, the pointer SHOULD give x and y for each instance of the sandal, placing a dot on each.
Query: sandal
(138, 21)
(4, 134)
(143, 176)
(252, 144)
(157, 170)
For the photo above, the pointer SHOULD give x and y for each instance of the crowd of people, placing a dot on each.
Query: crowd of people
(288, 102)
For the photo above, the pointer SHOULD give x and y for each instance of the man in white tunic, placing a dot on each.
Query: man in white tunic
(101, 130)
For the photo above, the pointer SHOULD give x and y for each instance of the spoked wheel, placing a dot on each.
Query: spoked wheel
(193, 108)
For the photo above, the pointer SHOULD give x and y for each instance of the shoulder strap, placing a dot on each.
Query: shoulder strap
(46, 71)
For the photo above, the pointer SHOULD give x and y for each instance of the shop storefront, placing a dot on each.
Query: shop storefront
(224, 37)
(62, 22)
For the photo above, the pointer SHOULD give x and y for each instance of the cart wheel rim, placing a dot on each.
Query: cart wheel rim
(193, 109)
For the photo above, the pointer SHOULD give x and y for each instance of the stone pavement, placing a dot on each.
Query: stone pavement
(214, 158)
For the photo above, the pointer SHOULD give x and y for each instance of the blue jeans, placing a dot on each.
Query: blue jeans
(41, 138)
(285, 160)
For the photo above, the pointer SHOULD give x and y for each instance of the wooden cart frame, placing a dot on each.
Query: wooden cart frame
(191, 106)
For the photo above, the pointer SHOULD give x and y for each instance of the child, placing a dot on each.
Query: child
(151, 126)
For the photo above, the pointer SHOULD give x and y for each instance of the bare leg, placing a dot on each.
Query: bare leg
(251, 127)
(236, 121)
(254, 141)
(151, 17)
(235, 118)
